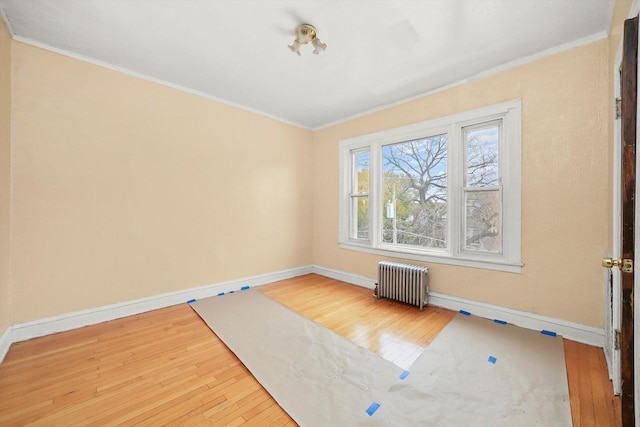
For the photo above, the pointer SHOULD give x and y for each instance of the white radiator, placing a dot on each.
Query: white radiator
(403, 282)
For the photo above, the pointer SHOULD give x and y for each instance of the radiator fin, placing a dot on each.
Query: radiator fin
(403, 282)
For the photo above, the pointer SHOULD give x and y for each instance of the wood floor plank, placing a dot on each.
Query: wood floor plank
(572, 361)
(166, 367)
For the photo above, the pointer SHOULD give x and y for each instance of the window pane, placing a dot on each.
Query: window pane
(481, 144)
(415, 192)
(483, 223)
(360, 199)
(360, 217)
(362, 169)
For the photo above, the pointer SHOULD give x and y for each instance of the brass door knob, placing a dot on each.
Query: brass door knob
(626, 265)
(608, 262)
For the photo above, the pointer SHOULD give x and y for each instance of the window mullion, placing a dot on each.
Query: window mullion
(375, 195)
(454, 170)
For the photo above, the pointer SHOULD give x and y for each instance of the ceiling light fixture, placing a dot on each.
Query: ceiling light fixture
(306, 33)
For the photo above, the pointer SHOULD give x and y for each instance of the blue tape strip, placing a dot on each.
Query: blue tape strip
(492, 360)
(373, 408)
(220, 294)
(191, 300)
(466, 313)
(232, 292)
(404, 375)
(244, 288)
(550, 333)
(502, 322)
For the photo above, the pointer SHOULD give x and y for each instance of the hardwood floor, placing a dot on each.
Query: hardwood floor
(166, 367)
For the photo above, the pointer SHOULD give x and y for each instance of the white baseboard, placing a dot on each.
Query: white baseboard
(41, 327)
(569, 330)
(343, 276)
(78, 319)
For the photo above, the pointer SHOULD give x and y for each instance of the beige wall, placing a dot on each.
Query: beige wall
(565, 182)
(5, 176)
(125, 189)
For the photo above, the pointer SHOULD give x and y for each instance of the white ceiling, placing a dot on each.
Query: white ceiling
(379, 51)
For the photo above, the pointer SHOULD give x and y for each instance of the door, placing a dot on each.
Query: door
(626, 230)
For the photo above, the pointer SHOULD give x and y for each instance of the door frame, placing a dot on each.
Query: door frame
(614, 281)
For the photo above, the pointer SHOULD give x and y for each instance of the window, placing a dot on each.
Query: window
(445, 190)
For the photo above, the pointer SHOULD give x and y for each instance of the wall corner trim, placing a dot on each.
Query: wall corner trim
(573, 331)
(5, 343)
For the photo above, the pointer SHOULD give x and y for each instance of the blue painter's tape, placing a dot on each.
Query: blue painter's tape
(191, 300)
(466, 313)
(373, 408)
(502, 322)
(232, 292)
(404, 375)
(244, 288)
(550, 333)
(221, 294)
(492, 360)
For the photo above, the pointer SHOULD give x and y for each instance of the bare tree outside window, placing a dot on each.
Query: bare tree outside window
(483, 216)
(415, 192)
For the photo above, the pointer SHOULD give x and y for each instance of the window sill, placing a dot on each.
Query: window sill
(462, 261)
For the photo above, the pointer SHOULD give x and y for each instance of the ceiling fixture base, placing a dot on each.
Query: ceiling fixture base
(305, 34)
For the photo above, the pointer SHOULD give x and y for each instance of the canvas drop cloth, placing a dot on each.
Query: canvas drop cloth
(475, 373)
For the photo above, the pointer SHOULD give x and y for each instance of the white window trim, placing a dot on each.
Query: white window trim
(510, 163)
